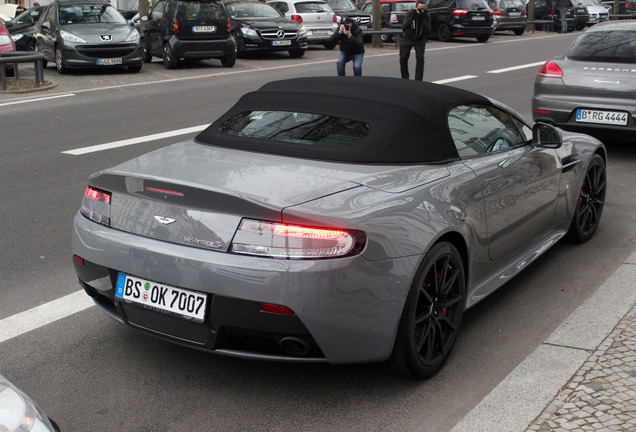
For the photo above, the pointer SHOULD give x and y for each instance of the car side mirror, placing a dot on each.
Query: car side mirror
(46, 25)
(8, 24)
(545, 135)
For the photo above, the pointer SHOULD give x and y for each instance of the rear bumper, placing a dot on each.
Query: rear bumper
(346, 309)
(202, 49)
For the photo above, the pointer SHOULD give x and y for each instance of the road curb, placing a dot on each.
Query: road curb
(526, 392)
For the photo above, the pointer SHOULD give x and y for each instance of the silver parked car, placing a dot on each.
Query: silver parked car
(316, 16)
(592, 87)
(298, 229)
(598, 12)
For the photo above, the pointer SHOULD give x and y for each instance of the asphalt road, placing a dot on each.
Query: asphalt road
(92, 374)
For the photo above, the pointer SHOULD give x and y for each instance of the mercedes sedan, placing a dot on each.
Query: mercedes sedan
(298, 229)
(592, 88)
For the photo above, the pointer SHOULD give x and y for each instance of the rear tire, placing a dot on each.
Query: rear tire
(134, 69)
(590, 203)
(228, 61)
(432, 314)
(519, 31)
(169, 59)
(443, 33)
(483, 37)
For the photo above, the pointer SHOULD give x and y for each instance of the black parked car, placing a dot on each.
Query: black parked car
(347, 9)
(260, 27)
(552, 10)
(87, 34)
(393, 14)
(21, 28)
(188, 29)
(464, 18)
(625, 7)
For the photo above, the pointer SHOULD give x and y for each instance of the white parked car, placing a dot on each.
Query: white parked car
(598, 13)
(10, 11)
(316, 16)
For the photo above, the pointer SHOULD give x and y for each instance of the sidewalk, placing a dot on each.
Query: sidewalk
(582, 378)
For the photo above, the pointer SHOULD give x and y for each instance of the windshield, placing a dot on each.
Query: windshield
(252, 10)
(342, 5)
(615, 46)
(90, 14)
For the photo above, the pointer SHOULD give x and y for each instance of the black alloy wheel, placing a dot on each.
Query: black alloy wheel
(59, 60)
(443, 33)
(169, 59)
(432, 314)
(590, 203)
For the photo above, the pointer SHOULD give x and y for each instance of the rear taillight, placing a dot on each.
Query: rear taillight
(229, 26)
(550, 70)
(175, 26)
(523, 12)
(277, 240)
(629, 5)
(459, 12)
(335, 18)
(497, 12)
(297, 18)
(96, 205)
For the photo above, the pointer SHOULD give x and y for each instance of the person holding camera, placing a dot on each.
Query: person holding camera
(416, 28)
(349, 36)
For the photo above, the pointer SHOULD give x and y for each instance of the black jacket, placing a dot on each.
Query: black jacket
(349, 45)
(417, 26)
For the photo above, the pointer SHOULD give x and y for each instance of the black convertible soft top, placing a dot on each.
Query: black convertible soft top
(407, 119)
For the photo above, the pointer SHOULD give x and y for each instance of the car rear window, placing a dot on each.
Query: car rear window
(471, 4)
(403, 6)
(297, 127)
(616, 46)
(312, 7)
(200, 10)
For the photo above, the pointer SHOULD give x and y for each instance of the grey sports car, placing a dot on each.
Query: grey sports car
(334, 220)
(592, 88)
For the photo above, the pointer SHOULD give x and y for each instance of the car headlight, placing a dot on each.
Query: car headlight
(17, 36)
(302, 31)
(249, 31)
(19, 413)
(133, 36)
(5, 40)
(71, 37)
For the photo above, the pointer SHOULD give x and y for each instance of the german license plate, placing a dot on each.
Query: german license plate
(109, 61)
(514, 14)
(203, 29)
(601, 117)
(165, 298)
(321, 32)
(281, 43)
(479, 18)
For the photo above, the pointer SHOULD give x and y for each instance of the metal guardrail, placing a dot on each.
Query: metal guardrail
(16, 57)
(548, 25)
(396, 33)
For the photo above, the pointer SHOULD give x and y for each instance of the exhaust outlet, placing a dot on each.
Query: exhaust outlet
(295, 345)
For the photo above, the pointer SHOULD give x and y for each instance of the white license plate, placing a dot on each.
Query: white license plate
(479, 18)
(165, 298)
(281, 43)
(321, 32)
(203, 29)
(514, 14)
(601, 117)
(109, 61)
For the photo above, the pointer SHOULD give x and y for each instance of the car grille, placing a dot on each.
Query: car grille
(106, 51)
(278, 34)
(363, 20)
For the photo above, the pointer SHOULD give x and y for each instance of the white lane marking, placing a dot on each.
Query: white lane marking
(514, 68)
(42, 315)
(450, 80)
(132, 141)
(38, 99)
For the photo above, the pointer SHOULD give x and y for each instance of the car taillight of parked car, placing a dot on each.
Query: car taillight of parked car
(297, 18)
(459, 12)
(335, 18)
(551, 70)
(96, 205)
(175, 27)
(497, 12)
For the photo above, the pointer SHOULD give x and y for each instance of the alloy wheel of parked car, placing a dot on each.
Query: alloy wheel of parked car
(590, 203)
(386, 37)
(59, 60)
(169, 59)
(432, 314)
(443, 33)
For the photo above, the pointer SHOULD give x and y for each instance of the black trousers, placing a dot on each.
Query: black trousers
(405, 52)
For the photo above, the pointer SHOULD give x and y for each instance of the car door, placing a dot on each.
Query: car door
(155, 26)
(519, 182)
(47, 29)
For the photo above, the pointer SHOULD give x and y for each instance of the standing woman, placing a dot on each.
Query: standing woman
(416, 28)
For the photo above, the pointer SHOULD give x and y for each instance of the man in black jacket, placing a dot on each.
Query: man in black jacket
(416, 28)
(349, 36)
